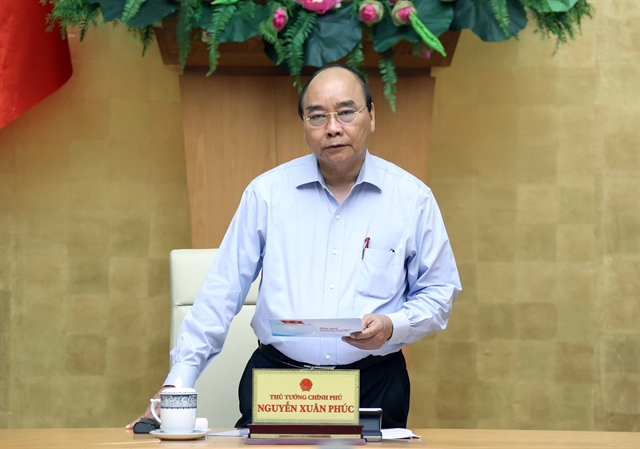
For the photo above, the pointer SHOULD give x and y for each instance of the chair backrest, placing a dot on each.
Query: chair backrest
(218, 384)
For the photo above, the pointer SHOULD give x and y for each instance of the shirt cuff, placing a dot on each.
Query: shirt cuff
(401, 328)
(186, 373)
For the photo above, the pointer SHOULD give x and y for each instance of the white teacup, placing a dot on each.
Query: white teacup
(177, 409)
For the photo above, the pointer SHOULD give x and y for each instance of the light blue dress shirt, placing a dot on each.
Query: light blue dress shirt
(310, 251)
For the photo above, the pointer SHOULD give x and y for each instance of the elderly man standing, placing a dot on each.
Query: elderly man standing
(337, 234)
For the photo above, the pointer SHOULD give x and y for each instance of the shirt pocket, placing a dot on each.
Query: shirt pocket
(377, 277)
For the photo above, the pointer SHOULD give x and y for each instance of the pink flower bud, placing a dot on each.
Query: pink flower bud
(401, 11)
(368, 13)
(426, 54)
(403, 14)
(280, 19)
(371, 11)
(318, 6)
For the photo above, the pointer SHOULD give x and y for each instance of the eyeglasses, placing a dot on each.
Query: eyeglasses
(344, 116)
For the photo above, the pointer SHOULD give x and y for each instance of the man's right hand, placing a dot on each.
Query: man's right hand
(147, 412)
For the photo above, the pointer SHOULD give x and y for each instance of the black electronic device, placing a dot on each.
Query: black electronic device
(146, 425)
(371, 419)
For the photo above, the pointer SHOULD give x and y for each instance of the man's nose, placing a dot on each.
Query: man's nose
(334, 127)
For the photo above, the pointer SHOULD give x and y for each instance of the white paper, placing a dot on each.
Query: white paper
(230, 433)
(397, 434)
(338, 327)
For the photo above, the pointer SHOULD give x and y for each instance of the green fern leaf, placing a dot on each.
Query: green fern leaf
(93, 12)
(147, 35)
(143, 36)
(188, 9)
(355, 60)
(269, 34)
(249, 7)
(131, 8)
(224, 2)
(561, 25)
(355, 8)
(72, 14)
(388, 71)
(500, 12)
(294, 39)
(219, 20)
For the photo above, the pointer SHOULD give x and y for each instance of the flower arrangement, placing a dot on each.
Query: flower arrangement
(316, 32)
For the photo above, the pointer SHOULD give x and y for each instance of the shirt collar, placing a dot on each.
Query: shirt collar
(310, 172)
(369, 172)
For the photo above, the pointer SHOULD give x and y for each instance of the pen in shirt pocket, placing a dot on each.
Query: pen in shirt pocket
(365, 245)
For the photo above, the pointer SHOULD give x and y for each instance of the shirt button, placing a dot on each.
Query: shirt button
(330, 285)
(327, 356)
(335, 251)
(338, 217)
(398, 339)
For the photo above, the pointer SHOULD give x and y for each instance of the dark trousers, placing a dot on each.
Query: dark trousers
(384, 385)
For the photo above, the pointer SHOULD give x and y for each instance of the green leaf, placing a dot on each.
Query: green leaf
(205, 17)
(188, 9)
(554, 5)
(436, 16)
(501, 13)
(144, 36)
(72, 14)
(131, 8)
(270, 35)
(335, 34)
(272, 53)
(426, 35)
(388, 71)
(355, 60)
(219, 20)
(561, 25)
(242, 26)
(295, 37)
(478, 16)
(151, 11)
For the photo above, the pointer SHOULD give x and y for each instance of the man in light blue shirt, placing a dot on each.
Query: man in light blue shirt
(339, 233)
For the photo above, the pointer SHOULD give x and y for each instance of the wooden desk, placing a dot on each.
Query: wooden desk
(434, 439)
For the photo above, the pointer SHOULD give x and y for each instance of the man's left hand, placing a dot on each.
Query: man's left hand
(377, 329)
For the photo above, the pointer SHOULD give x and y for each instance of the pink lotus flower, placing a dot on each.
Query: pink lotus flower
(280, 19)
(371, 11)
(319, 6)
(368, 13)
(403, 14)
(401, 11)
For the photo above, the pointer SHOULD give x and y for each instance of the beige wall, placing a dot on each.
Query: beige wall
(93, 199)
(535, 164)
(534, 161)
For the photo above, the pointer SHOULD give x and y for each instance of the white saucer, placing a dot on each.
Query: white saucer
(179, 436)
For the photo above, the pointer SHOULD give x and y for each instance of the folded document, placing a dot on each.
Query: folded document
(397, 434)
(337, 327)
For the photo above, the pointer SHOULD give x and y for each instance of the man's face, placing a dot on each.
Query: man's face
(337, 144)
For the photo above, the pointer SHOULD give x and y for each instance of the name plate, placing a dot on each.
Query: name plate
(306, 396)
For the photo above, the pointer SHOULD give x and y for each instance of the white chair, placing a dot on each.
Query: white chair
(218, 384)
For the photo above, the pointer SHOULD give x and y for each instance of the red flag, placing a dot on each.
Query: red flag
(34, 63)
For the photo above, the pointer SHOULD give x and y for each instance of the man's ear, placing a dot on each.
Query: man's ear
(372, 114)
